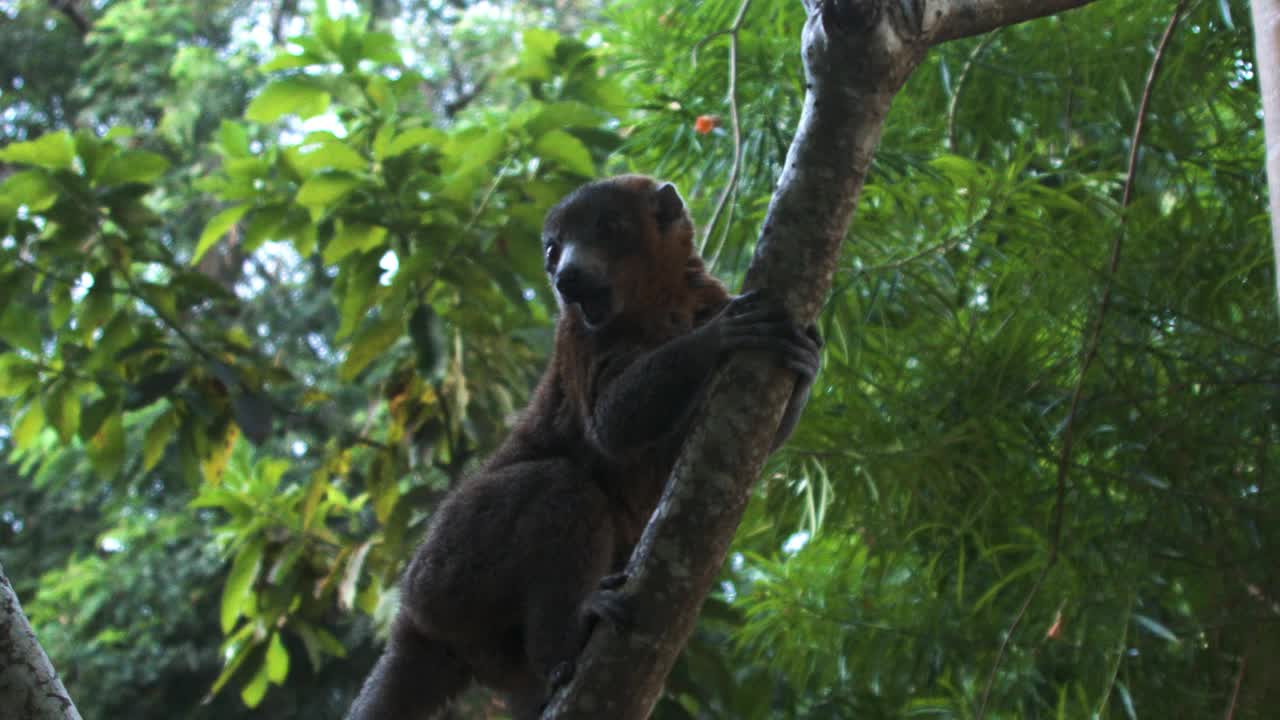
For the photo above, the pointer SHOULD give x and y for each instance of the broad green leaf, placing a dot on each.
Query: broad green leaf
(238, 590)
(353, 237)
(106, 447)
(277, 660)
(217, 227)
(240, 648)
(333, 154)
(256, 689)
(55, 151)
(215, 463)
(157, 438)
(412, 139)
(33, 188)
(233, 139)
(475, 150)
(322, 191)
(20, 326)
(567, 151)
(28, 427)
(98, 305)
(538, 50)
(264, 224)
(289, 61)
(62, 408)
(16, 375)
(380, 47)
(372, 340)
(301, 96)
(133, 166)
(564, 114)
(351, 578)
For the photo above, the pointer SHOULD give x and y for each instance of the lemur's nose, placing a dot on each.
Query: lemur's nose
(573, 283)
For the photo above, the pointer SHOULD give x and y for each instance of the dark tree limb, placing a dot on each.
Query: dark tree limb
(72, 12)
(29, 686)
(857, 54)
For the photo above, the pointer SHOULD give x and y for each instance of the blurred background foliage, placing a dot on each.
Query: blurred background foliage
(270, 285)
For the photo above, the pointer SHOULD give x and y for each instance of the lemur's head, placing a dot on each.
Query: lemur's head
(617, 246)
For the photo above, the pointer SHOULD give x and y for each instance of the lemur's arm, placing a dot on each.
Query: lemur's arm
(654, 397)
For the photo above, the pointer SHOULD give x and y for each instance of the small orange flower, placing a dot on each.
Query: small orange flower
(1055, 630)
(706, 123)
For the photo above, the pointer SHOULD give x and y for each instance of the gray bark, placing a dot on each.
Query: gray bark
(857, 54)
(29, 686)
(1266, 35)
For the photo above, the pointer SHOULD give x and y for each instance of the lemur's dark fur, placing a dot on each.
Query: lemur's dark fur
(506, 585)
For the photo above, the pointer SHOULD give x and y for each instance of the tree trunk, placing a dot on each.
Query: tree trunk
(857, 54)
(29, 687)
(1266, 36)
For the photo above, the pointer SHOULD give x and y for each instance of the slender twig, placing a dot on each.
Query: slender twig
(1115, 667)
(954, 106)
(1235, 691)
(1090, 352)
(731, 186)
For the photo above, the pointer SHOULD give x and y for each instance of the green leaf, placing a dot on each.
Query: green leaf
(20, 326)
(217, 227)
(106, 447)
(16, 375)
(354, 237)
(564, 114)
(351, 578)
(157, 438)
(233, 140)
(33, 188)
(321, 191)
(473, 151)
(237, 593)
(372, 340)
(277, 660)
(567, 151)
(301, 96)
(28, 427)
(62, 408)
(333, 154)
(55, 151)
(538, 50)
(1156, 628)
(256, 689)
(413, 139)
(133, 166)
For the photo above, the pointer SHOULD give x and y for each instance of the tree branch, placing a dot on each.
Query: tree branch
(857, 54)
(69, 9)
(29, 687)
(943, 20)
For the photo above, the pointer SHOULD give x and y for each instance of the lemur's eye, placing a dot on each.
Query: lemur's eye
(552, 252)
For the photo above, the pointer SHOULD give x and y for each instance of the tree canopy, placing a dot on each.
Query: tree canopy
(270, 286)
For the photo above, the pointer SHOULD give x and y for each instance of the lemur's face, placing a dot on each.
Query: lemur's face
(587, 238)
(600, 244)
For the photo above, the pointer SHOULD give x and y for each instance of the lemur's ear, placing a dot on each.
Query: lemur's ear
(670, 205)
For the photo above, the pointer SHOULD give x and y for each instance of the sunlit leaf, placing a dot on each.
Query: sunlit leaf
(295, 95)
(55, 151)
